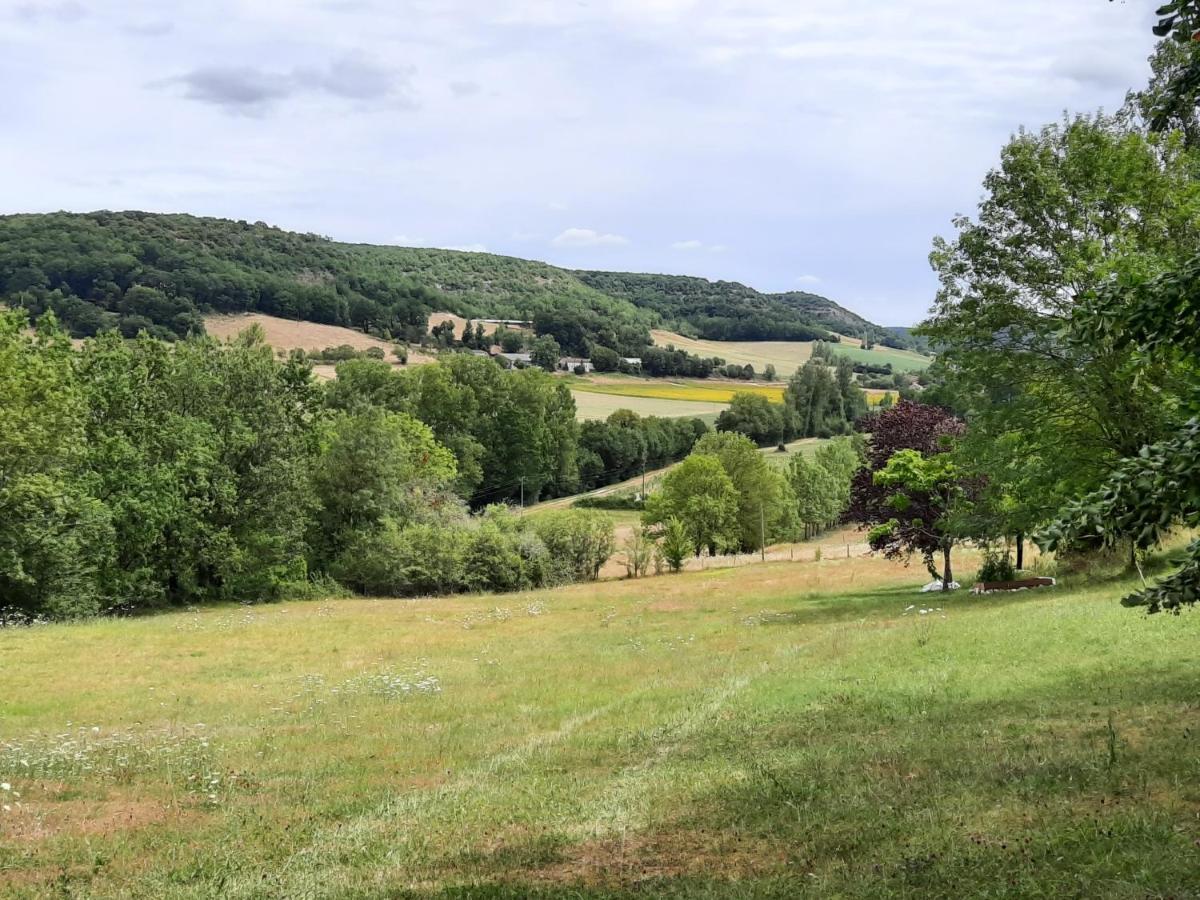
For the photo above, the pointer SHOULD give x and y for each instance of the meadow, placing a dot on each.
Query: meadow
(809, 729)
(788, 356)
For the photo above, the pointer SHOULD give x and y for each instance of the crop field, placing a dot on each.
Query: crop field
(688, 391)
(593, 405)
(598, 398)
(810, 729)
(787, 356)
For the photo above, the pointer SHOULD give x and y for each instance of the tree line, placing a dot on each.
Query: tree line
(137, 474)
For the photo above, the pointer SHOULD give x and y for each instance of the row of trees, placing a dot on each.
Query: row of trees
(725, 497)
(137, 474)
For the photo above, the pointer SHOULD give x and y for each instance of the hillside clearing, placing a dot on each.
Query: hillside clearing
(288, 334)
(776, 730)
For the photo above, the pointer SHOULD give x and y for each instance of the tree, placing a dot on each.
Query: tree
(676, 545)
(1159, 487)
(55, 539)
(1055, 225)
(816, 491)
(700, 494)
(377, 466)
(921, 491)
(920, 526)
(754, 416)
(769, 373)
(605, 359)
(545, 353)
(766, 507)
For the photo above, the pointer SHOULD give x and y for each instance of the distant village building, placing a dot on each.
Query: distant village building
(632, 361)
(514, 358)
(571, 363)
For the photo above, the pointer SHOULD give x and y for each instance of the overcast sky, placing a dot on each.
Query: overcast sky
(782, 143)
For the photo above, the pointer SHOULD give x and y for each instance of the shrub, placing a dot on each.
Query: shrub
(614, 500)
(997, 566)
(579, 542)
(395, 561)
(676, 543)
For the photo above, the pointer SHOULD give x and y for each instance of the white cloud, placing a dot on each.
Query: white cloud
(692, 246)
(468, 248)
(587, 237)
(808, 279)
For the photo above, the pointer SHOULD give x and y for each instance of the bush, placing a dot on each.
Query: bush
(614, 500)
(400, 562)
(579, 542)
(997, 566)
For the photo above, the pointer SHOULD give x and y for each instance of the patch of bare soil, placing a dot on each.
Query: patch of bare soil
(37, 821)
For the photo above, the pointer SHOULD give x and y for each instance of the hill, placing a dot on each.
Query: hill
(164, 273)
(778, 730)
(731, 311)
(133, 270)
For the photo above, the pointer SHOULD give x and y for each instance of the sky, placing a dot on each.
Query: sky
(786, 144)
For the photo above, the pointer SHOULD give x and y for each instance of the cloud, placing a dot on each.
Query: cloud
(587, 237)
(808, 279)
(149, 29)
(465, 88)
(467, 248)
(247, 90)
(693, 246)
(1089, 70)
(66, 11)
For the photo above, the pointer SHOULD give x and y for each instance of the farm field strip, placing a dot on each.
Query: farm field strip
(690, 391)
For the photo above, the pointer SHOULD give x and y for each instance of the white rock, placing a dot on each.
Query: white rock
(937, 586)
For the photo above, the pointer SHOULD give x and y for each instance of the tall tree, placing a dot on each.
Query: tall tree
(1069, 208)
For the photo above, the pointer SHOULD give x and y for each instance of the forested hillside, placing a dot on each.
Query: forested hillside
(134, 271)
(730, 311)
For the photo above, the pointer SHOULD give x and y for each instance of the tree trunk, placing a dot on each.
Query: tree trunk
(1020, 550)
(947, 574)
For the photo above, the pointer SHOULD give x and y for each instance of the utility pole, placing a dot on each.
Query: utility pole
(522, 492)
(762, 530)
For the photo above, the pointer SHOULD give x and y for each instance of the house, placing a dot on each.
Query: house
(571, 363)
(632, 361)
(524, 359)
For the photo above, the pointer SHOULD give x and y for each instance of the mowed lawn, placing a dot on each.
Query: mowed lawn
(782, 730)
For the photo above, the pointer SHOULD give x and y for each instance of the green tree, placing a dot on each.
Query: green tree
(766, 506)
(922, 493)
(545, 353)
(677, 545)
(699, 493)
(376, 466)
(1055, 225)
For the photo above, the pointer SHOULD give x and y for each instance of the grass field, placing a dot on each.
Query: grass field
(780, 730)
(787, 356)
